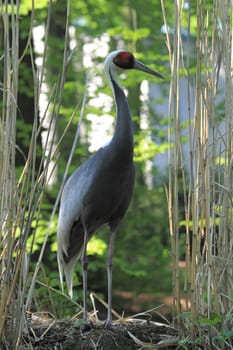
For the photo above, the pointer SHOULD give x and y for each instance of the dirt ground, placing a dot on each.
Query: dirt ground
(73, 334)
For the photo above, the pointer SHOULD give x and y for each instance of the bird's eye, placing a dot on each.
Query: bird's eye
(124, 60)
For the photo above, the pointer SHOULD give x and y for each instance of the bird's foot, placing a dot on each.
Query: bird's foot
(108, 324)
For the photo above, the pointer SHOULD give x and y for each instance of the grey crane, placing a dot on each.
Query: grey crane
(100, 190)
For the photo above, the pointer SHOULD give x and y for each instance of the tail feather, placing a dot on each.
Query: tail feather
(60, 269)
(67, 268)
(69, 251)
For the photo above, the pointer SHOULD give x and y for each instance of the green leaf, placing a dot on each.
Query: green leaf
(213, 321)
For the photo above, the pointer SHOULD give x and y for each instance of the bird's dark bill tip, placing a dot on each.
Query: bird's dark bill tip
(140, 66)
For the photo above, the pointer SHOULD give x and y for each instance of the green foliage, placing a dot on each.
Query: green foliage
(213, 331)
(48, 298)
(141, 244)
(129, 34)
(145, 149)
(26, 6)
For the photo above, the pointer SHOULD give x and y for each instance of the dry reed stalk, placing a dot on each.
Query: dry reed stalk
(21, 199)
(174, 155)
(208, 188)
(8, 178)
(208, 288)
(224, 283)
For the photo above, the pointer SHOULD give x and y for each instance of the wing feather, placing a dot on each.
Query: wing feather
(75, 189)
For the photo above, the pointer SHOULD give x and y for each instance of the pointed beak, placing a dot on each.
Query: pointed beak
(140, 66)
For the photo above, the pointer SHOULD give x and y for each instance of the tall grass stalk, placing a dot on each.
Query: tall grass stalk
(207, 181)
(22, 196)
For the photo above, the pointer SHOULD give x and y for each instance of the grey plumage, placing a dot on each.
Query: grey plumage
(100, 190)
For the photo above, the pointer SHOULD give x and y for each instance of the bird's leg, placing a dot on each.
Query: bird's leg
(108, 322)
(84, 262)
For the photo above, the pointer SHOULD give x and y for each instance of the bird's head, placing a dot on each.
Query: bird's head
(120, 60)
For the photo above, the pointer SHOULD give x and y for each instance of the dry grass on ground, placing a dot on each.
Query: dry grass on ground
(47, 333)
